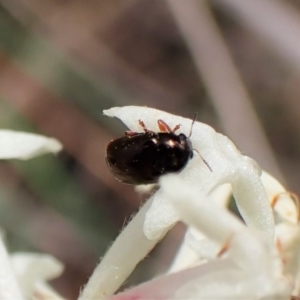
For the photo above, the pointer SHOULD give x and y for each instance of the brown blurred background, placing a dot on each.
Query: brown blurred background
(234, 62)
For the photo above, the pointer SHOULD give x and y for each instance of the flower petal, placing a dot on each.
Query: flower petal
(283, 204)
(220, 279)
(127, 251)
(198, 212)
(166, 287)
(23, 145)
(32, 269)
(195, 245)
(9, 288)
(251, 198)
(251, 270)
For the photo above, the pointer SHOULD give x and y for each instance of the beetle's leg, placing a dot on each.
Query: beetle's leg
(144, 126)
(163, 126)
(130, 133)
(176, 127)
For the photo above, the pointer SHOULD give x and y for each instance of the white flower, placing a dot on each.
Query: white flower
(220, 258)
(158, 215)
(32, 271)
(248, 266)
(20, 145)
(227, 163)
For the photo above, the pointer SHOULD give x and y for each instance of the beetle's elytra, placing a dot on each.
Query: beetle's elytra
(141, 158)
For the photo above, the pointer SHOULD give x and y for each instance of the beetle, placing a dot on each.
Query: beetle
(141, 158)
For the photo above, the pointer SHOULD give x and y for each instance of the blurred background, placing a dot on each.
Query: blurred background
(234, 62)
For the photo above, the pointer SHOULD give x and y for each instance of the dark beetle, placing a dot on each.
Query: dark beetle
(141, 158)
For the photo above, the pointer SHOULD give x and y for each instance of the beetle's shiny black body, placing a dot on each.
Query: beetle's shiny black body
(141, 158)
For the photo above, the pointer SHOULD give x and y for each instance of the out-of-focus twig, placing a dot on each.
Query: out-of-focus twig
(276, 22)
(222, 80)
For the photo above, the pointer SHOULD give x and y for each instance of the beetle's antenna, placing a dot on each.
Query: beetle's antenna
(203, 160)
(194, 119)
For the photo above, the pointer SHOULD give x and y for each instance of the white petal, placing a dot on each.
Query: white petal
(234, 284)
(197, 211)
(195, 246)
(44, 292)
(285, 208)
(160, 217)
(218, 224)
(259, 267)
(205, 248)
(251, 198)
(9, 288)
(23, 145)
(31, 269)
(166, 287)
(220, 279)
(186, 256)
(127, 251)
